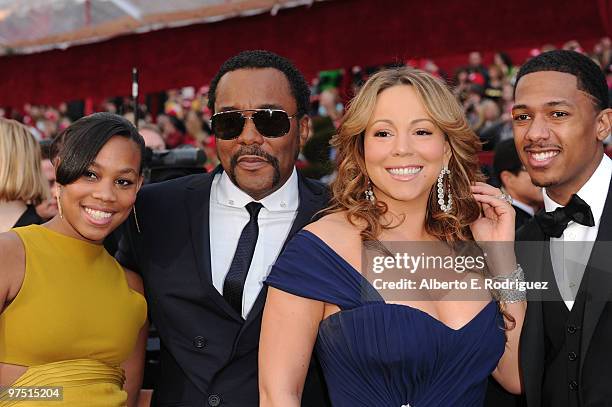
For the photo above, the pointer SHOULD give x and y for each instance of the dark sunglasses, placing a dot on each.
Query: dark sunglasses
(269, 123)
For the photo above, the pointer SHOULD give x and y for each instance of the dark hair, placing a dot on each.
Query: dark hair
(505, 59)
(506, 158)
(265, 59)
(45, 149)
(589, 76)
(178, 124)
(79, 144)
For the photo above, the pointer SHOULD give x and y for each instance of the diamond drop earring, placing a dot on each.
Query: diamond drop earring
(448, 206)
(369, 193)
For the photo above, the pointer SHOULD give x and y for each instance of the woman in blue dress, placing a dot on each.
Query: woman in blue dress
(408, 172)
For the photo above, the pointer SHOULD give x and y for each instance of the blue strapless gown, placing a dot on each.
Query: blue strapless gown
(387, 355)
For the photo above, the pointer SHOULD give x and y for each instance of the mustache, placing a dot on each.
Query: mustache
(256, 151)
(541, 146)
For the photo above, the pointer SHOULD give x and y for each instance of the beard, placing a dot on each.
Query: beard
(256, 151)
(545, 183)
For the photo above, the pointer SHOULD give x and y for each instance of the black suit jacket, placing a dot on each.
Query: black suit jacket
(595, 348)
(521, 217)
(208, 353)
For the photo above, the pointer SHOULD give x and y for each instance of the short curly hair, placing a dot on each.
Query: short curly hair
(589, 76)
(265, 59)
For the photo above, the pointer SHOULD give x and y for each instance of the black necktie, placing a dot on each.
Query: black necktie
(554, 223)
(233, 286)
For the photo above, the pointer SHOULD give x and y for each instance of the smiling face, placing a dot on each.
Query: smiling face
(256, 164)
(98, 202)
(404, 149)
(557, 131)
(48, 208)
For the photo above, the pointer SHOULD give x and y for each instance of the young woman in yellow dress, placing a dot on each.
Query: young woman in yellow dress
(70, 315)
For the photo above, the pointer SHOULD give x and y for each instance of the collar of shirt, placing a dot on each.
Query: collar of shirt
(594, 191)
(281, 200)
(523, 206)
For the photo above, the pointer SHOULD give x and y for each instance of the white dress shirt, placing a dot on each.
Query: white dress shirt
(570, 253)
(228, 216)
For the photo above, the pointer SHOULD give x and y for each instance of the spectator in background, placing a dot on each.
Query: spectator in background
(22, 185)
(572, 45)
(175, 133)
(489, 125)
(162, 123)
(330, 106)
(507, 101)
(152, 137)
(198, 126)
(603, 52)
(195, 128)
(502, 60)
(478, 73)
(494, 87)
(48, 208)
(471, 106)
(461, 84)
(515, 180)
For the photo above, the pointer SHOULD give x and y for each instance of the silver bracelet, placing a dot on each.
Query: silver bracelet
(516, 292)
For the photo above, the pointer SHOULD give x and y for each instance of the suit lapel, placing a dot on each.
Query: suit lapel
(197, 201)
(534, 255)
(599, 277)
(310, 202)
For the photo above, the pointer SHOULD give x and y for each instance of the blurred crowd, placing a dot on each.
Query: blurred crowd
(183, 118)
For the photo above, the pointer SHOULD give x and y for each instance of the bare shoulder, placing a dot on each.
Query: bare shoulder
(12, 258)
(340, 235)
(330, 224)
(12, 252)
(134, 281)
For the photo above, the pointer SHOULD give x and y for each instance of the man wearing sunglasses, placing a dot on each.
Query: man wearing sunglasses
(207, 242)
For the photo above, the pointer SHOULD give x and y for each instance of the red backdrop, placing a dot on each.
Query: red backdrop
(334, 34)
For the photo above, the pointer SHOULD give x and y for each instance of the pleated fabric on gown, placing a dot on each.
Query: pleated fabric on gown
(387, 355)
(83, 382)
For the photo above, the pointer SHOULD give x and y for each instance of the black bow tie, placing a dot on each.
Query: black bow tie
(554, 223)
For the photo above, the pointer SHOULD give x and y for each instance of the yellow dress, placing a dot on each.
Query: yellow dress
(73, 322)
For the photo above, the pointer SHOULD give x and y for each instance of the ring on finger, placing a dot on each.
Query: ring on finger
(505, 197)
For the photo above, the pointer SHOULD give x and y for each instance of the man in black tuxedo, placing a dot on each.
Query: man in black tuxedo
(514, 179)
(205, 243)
(560, 119)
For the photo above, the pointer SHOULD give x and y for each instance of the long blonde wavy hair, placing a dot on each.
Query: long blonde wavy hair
(352, 180)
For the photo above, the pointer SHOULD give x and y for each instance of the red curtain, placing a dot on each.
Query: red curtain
(332, 34)
(605, 12)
